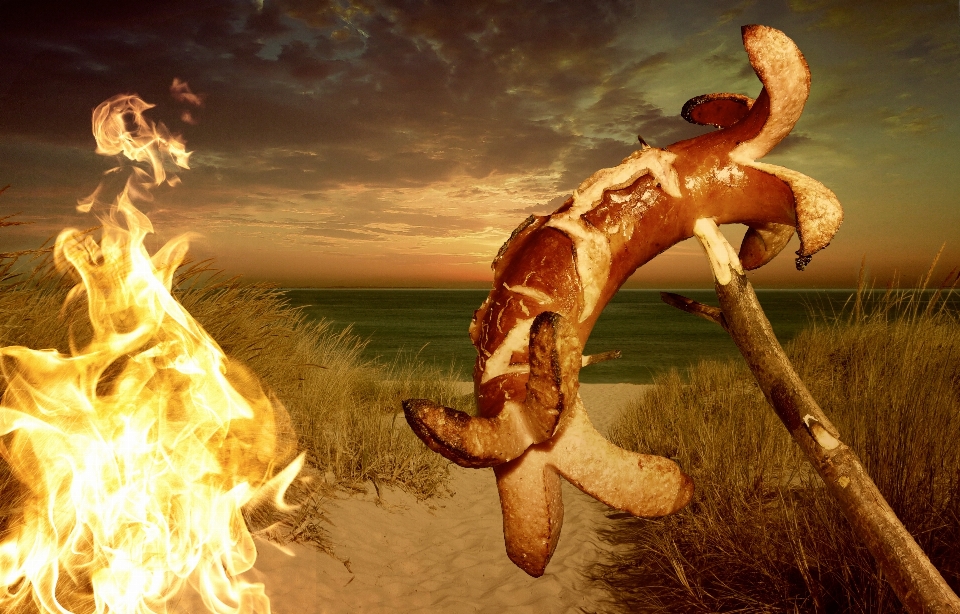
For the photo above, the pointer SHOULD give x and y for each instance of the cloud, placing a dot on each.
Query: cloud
(793, 140)
(337, 233)
(378, 93)
(541, 208)
(911, 120)
(388, 123)
(910, 28)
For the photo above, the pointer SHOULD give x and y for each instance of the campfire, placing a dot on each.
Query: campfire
(140, 448)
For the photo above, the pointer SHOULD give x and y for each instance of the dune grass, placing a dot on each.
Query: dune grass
(345, 410)
(761, 534)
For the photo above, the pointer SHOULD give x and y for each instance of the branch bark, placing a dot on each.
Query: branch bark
(914, 579)
(593, 359)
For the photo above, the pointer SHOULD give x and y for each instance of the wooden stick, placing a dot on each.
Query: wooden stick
(914, 579)
(713, 314)
(593, 359)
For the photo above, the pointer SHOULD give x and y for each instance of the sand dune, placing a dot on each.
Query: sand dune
(444, 555)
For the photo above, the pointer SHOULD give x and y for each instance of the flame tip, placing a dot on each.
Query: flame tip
(139, 447)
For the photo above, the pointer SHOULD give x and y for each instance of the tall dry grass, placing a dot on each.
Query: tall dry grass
(761, 534)
(345, 410)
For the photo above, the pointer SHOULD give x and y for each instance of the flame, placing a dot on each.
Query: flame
(139, 450)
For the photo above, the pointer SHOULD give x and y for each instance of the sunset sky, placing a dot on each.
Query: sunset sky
(392, 143)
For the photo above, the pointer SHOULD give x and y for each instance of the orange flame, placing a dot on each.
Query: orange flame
(138, 451)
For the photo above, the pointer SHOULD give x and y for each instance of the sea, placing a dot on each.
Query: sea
(430, 325)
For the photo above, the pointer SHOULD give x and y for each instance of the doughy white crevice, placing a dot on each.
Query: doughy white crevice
(593, 246)
(539, 296)
(478, 315)
(593, 258)
(657, 162)
(516, 340)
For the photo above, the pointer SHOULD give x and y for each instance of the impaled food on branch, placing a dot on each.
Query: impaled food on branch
(555, 274)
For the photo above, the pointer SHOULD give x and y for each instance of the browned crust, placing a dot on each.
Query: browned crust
(554, 372)
(721, 110)
(532, 425)
(532, 506)
(762, 243)
(455, 434)
(553, 383)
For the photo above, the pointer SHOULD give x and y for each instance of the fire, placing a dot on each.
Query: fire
(139, 450)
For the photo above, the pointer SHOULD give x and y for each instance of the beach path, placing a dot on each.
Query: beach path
(442, 555)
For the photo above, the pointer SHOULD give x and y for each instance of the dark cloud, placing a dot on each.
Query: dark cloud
(313, 110)
(912, 29)
(626, 114)
(582, 163)
(652, 61)
(61, 59)
(542, 209)
(910, 120)
(473, 81)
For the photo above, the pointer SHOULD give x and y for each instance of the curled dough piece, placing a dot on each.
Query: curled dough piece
(641, 484)
(472, 441)
(555, 274)
(529, 482)
(762, 243)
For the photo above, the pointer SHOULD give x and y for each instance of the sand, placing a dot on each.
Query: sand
(394, 554)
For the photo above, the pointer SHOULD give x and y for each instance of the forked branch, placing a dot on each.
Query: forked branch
(914, 579)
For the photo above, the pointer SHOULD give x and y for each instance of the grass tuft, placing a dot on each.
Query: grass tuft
(761, 534)
(346, 410)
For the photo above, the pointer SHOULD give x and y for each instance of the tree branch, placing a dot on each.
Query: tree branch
(707, 312)
(593, 359)
(914, 579)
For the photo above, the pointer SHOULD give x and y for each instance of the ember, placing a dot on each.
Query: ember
(139, 450)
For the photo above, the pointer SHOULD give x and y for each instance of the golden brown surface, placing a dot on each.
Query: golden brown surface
(566, 266)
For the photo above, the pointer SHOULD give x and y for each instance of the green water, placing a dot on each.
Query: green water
(652, 336)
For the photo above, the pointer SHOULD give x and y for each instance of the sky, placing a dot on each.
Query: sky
(398, 143)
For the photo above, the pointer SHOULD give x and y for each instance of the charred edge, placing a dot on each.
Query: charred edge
(546, 373)
(447, 439)
(687, 111)
(690, 106)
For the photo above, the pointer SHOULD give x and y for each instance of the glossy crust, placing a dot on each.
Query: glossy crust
(555, 273)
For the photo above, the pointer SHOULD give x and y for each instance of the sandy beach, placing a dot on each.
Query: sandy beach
(394, 554)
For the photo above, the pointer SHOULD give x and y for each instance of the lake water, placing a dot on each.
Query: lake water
(652, 336)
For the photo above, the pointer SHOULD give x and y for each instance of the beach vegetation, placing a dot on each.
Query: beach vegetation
(762, 534)
(344, 409)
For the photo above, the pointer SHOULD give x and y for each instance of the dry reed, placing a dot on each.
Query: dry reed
(345, 410)
(762, 535)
